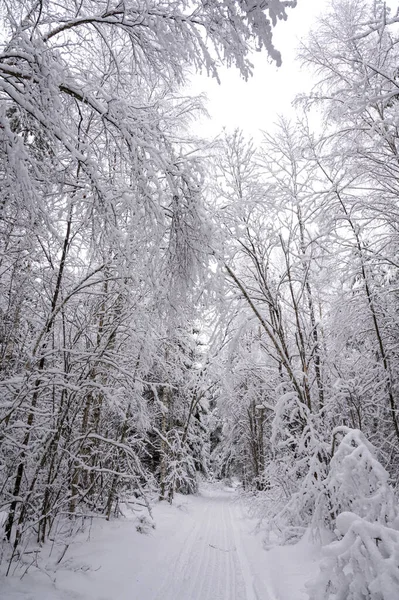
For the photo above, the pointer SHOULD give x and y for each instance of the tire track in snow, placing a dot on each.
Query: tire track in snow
(250, 592)
(180, 569)
(217, 570)
(242, 559)
(207, 580)
(231, 579)
(258, 588)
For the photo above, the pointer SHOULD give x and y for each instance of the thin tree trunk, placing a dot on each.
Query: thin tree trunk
(280, 351)
(163, 465)
(300, 336)
(315, 333)
(35, 397)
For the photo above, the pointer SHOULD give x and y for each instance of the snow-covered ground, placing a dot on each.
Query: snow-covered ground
(203, 548)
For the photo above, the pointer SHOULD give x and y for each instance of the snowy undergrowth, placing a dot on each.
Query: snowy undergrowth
(67, 536)
(350, 512)
(362, 564)
(297, 557)
(363, 561)
(96, 560)
(294, 480)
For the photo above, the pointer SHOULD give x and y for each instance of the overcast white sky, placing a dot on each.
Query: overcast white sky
(254, 105)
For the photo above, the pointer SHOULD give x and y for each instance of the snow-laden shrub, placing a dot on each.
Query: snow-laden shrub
(290, 418)
(298, 470)
(180, 473)
(357, 482)
(144, 524)
(363, 565)
(359, 502)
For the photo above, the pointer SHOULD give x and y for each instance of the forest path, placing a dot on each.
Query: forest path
(209, 561)
(202, 548)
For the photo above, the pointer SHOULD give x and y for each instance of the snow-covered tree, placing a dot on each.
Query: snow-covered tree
(103, 237)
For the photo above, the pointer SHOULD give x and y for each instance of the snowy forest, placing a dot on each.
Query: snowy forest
(176, 311)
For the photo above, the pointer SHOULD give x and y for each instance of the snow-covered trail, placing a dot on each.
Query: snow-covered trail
(208, 562)
(202, 548)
